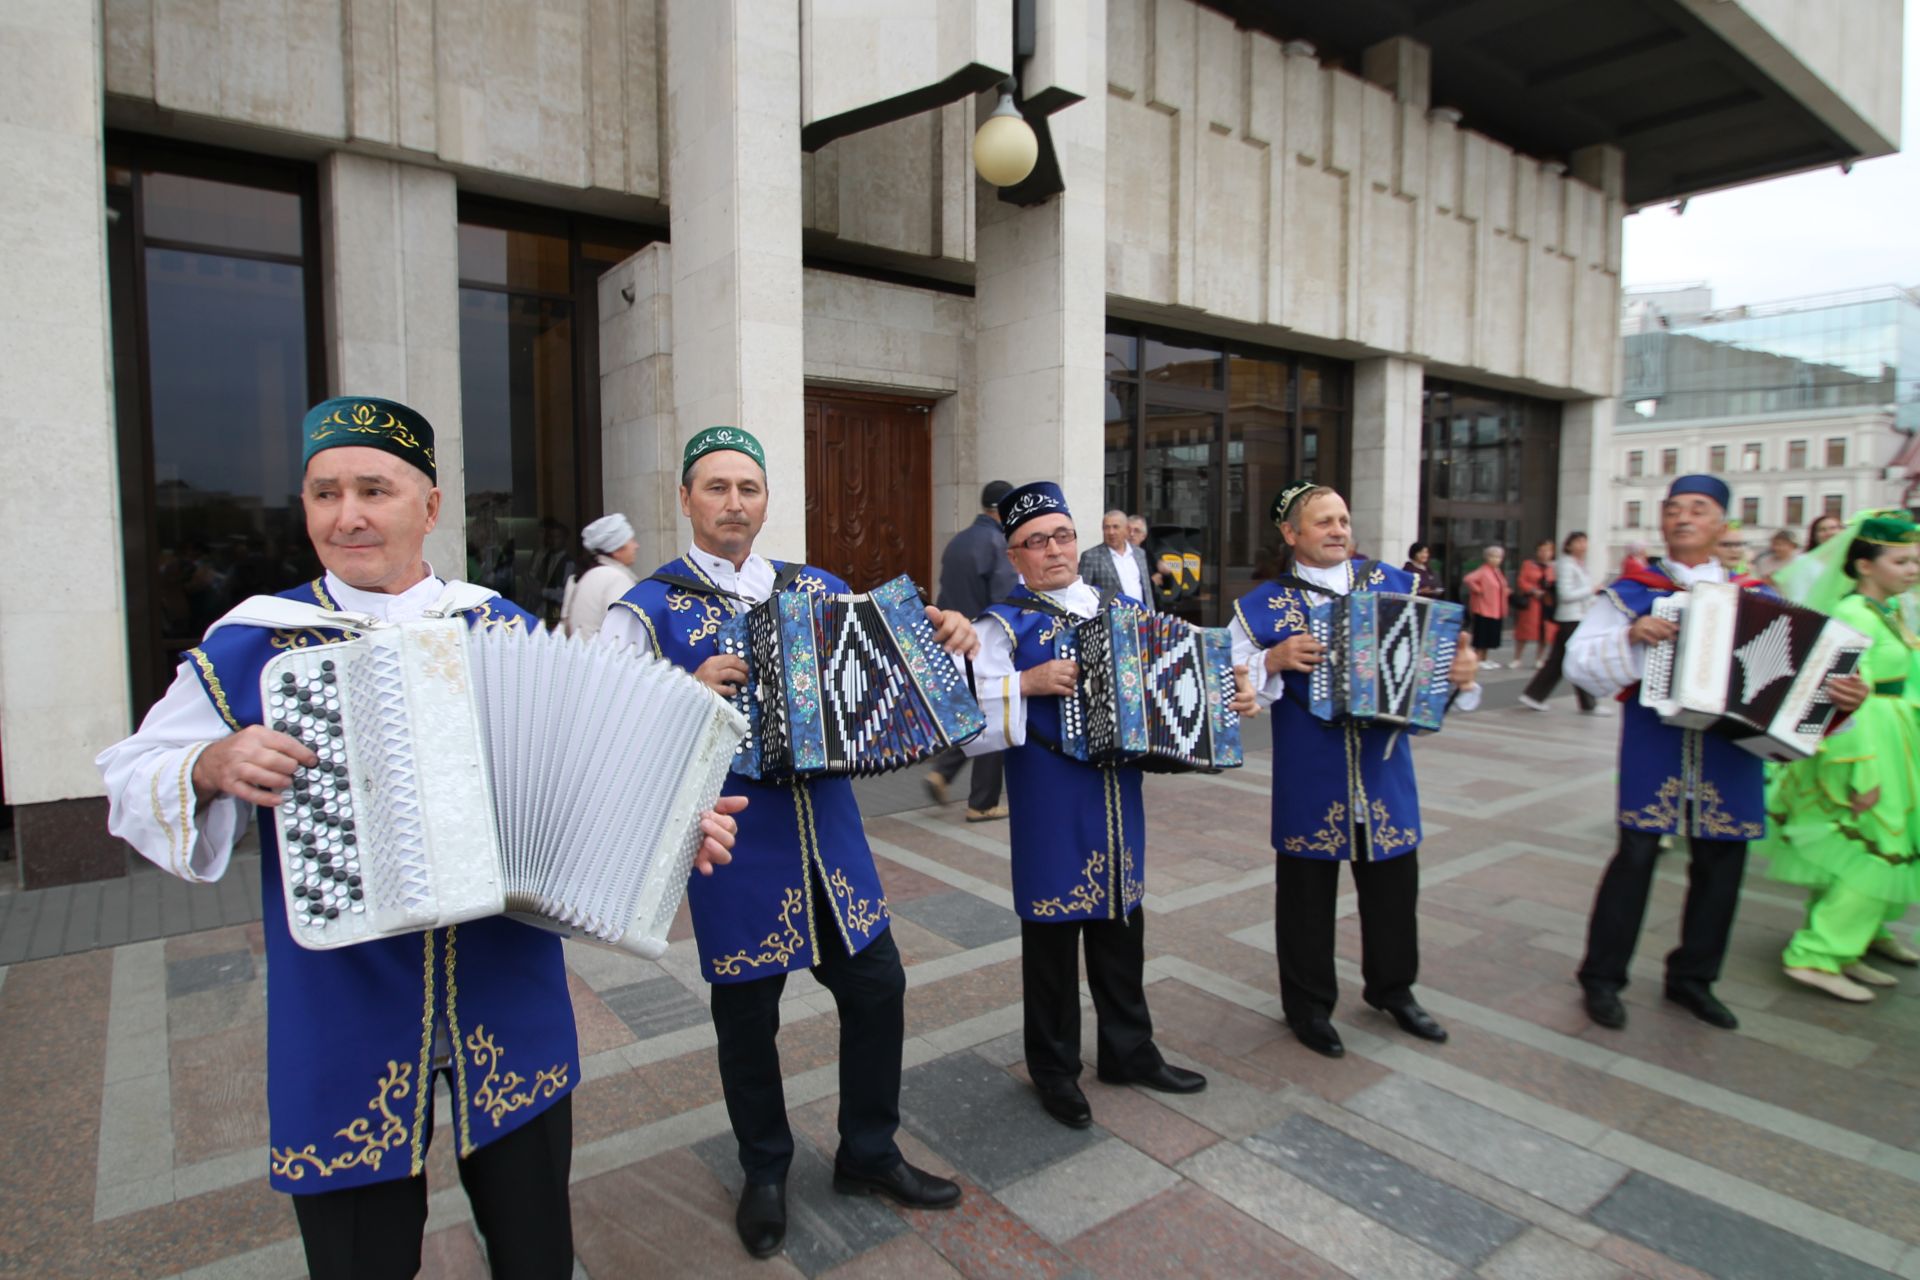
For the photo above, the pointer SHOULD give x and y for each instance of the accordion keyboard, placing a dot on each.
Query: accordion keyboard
(320, 816)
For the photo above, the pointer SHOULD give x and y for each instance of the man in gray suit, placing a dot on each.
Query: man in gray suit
(1117, 567)
(974, 573)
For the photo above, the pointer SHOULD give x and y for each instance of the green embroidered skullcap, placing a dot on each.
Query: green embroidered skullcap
(372, 423)
(1890, 529)
(1284, 500)
(714, 439)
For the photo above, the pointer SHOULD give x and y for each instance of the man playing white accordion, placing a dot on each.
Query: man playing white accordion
(356, 1035)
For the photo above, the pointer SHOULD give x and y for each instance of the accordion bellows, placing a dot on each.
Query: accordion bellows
(845, 684)
(466, 773)
(1153, 693)
(1388, 658)
(1749, 667)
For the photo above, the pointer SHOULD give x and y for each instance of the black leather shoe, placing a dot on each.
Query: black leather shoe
(1063, 1101)
(761, 1218)
(1702, 1005)
(1164, 1077)
(1605, 1008)
(1318, 1035)
(1415, 1021)
(903, 1184)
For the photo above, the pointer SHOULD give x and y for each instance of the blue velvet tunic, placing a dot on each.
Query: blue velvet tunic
(1079, 831)
(755, 916)
(1681, 781)
(1336, 787)
(350, 1032)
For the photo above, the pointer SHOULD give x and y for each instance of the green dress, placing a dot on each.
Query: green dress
(1863, 868)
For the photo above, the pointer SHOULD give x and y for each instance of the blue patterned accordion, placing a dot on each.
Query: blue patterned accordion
(845, 684)
(1387, 658)
(1153, 693)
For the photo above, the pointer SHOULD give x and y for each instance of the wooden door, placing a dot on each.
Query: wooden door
(870, 488)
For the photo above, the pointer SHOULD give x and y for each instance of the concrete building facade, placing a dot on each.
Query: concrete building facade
(1375, 243)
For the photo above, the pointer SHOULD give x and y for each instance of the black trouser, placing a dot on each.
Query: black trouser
(984, 791)
(1304, 891)
(869, 989)
(1547, 678)
(1050, 983)
(516, 1184)
(1713, 893)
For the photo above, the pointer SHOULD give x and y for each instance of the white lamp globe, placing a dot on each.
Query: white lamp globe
(1005, 148)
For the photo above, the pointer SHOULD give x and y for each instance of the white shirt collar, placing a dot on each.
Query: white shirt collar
(1077, 597)
(1338, 579)
(1686, 576)
(752, 581)
(1125, 553)
(404, 607)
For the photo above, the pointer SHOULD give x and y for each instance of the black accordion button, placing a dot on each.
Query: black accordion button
(286, 677)
(355, 894)
(315, 908)
(346, 824)
(333, 730)
(327, 664)
(333, 913)
(299, 891)
(355, 882)
(348, 839)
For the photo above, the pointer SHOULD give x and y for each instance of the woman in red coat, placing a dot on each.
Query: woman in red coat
(1487, 597)
(1531, 620)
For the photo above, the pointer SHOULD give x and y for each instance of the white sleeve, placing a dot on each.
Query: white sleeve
(1268, 687)
(624, 626)
(149, 777)
(997, 685)
(1600, 657)
(594, 592)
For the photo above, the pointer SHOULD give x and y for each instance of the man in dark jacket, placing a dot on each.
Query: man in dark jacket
(974, 573)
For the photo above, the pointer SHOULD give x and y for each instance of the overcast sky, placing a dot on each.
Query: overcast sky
(1811, 233)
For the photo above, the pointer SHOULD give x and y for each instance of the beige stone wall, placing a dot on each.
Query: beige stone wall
(565, 92)
(1247, 186)
(1841, 58)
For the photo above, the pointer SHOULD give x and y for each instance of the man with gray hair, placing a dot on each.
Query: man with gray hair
(1117, 567)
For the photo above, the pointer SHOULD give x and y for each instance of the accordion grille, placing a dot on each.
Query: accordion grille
(388, 784)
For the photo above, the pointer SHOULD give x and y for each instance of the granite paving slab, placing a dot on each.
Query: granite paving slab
(985, 1122)
(1719, 1241)
(824, 1228)
(655, 1006)
(1445, 1219)
(960, 917)
(202, 973)
(1086, 1189)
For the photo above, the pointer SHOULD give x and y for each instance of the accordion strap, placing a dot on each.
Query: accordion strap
(282, 614)
(782, 579)
(1040, 604)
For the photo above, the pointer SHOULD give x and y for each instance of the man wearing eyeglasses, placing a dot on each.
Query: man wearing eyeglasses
(1078, 830)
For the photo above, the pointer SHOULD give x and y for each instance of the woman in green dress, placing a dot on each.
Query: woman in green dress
(1846, 821)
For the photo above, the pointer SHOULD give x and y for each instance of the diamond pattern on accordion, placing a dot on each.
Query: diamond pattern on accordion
(1765, 658)
(1178, 691)
(1151, 693)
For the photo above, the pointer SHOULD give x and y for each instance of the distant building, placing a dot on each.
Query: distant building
(1805, 406)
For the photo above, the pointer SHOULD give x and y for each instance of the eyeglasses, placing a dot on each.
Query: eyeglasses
(1060, 537)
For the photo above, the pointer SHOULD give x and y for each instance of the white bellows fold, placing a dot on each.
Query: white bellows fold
(488, 771)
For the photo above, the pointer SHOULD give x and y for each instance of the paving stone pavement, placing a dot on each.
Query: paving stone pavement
(1532, 1146)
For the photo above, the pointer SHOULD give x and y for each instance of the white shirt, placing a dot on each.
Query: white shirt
(997, 681)
(593, 593)
(1270, 687)
(1600, 657)
(1129, 570)
(752, 582)
(149, 776)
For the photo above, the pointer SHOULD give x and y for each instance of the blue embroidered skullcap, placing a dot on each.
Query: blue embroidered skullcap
(1706, 486)
(1030, 501)
(370, 422)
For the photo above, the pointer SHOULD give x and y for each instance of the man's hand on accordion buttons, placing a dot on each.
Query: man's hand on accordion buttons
(1050, 679)
(1466, 668)
(1243, 703)
(1652, 630)
(723, 673)
(719, 828)
(1849, 693)
(1298, 652)
(953, 632)
(255, 765)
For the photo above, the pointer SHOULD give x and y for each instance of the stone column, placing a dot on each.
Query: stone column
(640, 440)
(390, 237)
(1385, 491)
(1040, 291)
(1586, 497)
(63, 625)
(733, 95)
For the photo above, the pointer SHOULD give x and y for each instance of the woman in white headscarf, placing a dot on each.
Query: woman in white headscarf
(589, 596)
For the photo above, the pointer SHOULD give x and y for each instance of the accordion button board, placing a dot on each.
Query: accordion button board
(462, 774)
(1749, 667)
(845, 684)
(1154, 693)
(1388, 658)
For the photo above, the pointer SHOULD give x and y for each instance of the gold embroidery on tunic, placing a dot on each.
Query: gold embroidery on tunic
(1084, 897)
(369, 1147)
(810, 582)
(777, 947)
(1330, 839)
(1286, 603)
(288, 640)
(859, 915)
(1663, 812)
(462, 1108)
(1713, 821)
(1385, 834)
(205, 664)
(496, 1095)
(710, 621)
(426, 1052)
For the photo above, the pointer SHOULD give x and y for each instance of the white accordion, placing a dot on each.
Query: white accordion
(1749, 667)
(467, 773)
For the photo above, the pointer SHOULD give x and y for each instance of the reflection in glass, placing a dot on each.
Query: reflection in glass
(514, 259)
(1121, 399)
(1168, 365)
(227, 355)
(220, 215)
(1177, 462)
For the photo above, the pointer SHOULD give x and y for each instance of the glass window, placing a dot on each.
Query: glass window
(521, 258)
(1750, 457)
(1832, 504)
(1633, 515)
(1636, 462)
(1122, 415)
(1165, 364)
(1669, 462)
(216, 351)
(1796, 511)
(1796, 455)
(1489, 473)
(1837, 451)
(1123, 354)
(1717, 459)
(1749, 512)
